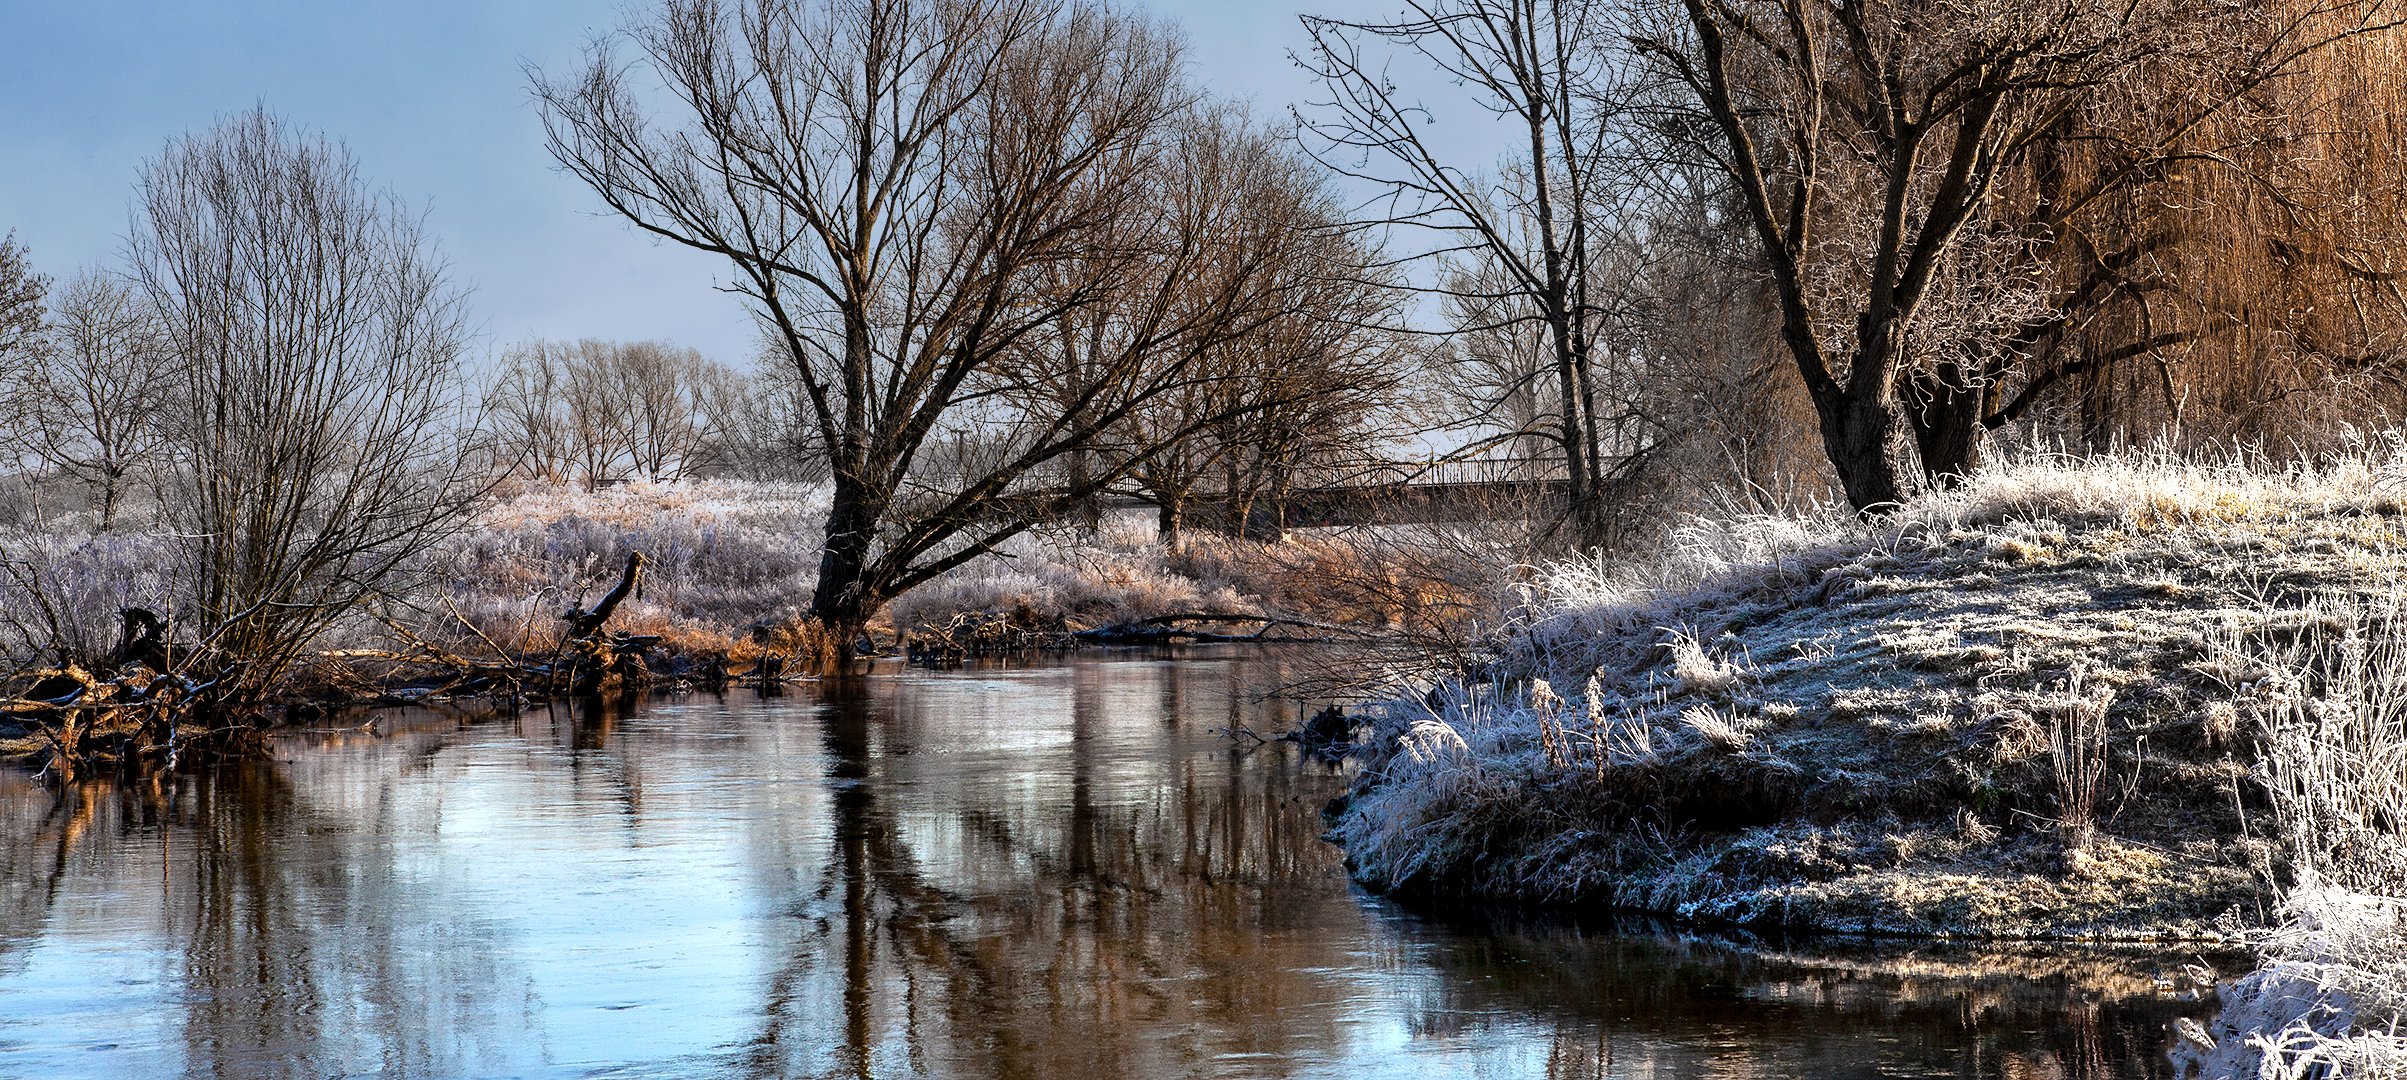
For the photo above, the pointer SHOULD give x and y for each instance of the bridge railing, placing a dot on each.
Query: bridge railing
(1443, 472)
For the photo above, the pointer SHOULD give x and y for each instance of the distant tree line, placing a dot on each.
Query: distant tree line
(595, 413)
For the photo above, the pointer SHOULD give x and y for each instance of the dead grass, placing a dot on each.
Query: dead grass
(730, 570)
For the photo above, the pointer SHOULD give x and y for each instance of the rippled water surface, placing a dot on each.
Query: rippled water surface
(1066, 872)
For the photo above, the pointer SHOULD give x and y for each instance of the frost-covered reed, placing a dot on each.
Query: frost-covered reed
(2331, 997)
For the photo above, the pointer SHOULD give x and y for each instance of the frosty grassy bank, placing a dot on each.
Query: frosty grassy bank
(2030, 706)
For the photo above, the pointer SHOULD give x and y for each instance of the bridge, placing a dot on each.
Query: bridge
(1410, 493)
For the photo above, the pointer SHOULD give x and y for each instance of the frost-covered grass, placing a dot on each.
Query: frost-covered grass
(721, 558)
(1061, 577)
(2018, 708)
(63, 589)
(725, 560)
(2331, 716)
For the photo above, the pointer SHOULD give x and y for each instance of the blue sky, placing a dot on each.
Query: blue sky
(430, 95)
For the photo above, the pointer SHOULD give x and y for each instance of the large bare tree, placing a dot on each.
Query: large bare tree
(909, 195)
(314, 414)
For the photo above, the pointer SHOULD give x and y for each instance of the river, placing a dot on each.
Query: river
(1066, 871)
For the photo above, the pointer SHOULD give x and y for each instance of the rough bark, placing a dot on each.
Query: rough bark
(587, 622)
(841, 602)
(1946, 409)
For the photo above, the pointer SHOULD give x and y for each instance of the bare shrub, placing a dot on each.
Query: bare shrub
(2077, 751)
(315, 416)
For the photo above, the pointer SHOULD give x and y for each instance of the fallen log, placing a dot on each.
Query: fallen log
(1165, 629)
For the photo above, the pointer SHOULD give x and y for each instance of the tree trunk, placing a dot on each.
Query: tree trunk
(1262, 520)
(1586, 515)
(1271, 512)
(1088, 511)
(841, 603)
(1946, 416)
(1171, 519)
(109, 483)
(1868, 442)
(1239, 505)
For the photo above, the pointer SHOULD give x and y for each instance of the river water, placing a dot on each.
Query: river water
(1064, 872)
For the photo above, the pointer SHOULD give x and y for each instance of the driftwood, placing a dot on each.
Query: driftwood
(135, 707)
(1167, 629)
(126, 719)
(986, 633)
(587, 660)
(591, 662)
(587, 622)
(1328, 735)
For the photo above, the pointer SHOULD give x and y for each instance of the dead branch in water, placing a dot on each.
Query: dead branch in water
(1167, 628)
(587, 622)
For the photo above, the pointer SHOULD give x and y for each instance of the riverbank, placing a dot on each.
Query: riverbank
(2035, 707)
(729, 563)
(727, 575)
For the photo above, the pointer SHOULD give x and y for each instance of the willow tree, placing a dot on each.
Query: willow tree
(1869, 145)
(2252, 290)
(910, 196)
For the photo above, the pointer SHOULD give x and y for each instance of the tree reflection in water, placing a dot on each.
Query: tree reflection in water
(1057, 872)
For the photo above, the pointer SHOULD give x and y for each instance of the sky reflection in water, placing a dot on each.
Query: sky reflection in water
(1056, 872)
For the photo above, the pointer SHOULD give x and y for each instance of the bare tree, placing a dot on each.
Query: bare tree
(316, 414)
(1534, 241)
(21, 293)
(526, 409)
(1272, 324)
(86, 400)
(600, 411)
(908, 194)
(759, 428)
(668, 393)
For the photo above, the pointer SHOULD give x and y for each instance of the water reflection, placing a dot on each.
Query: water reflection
(1050, 872)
